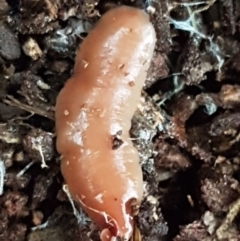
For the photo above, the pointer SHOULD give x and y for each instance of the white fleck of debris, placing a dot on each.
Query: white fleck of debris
(164, 175)
(151, 199)
(66, 112)
(2, 174)
(210, 221)
(77, 138)
(102, 114)
(43, 85)
(19, 156)
(216, 24)
(155, 216)
(190, 200)
(44, 225)
(220, 159)
(43, 165)
(85, 64)
(31, 49)
(151, 9)
(99, 197)
(25, 169)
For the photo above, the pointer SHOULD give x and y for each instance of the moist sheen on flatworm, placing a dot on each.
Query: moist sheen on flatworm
(99, 163)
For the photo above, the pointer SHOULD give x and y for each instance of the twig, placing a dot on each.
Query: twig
(13, 102)
(2, 174)
(232, 213)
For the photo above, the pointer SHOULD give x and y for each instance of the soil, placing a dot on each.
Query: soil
(186, 129)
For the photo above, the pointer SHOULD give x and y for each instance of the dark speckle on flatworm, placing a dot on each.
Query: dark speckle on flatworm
(116, 142)
(131, 83)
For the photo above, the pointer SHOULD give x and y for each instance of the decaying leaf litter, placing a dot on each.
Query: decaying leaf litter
(186, 127)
